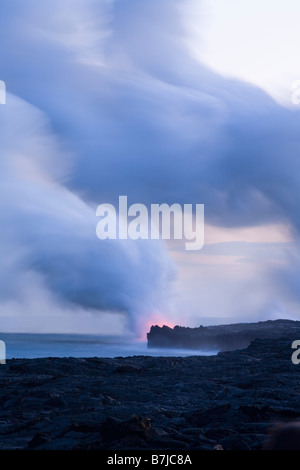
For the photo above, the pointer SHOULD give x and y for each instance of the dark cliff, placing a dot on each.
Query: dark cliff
(221, 337)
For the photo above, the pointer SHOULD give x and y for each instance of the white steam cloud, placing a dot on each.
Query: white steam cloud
(48, 241)
(107, 100)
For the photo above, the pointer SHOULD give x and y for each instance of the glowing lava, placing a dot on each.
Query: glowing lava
(154, 319)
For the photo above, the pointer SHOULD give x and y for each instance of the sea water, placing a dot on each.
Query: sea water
(27, 345)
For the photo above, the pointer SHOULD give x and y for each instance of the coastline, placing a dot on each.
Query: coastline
(143, 402)
(43, 345)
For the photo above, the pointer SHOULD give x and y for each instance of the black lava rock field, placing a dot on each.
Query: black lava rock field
(143, 402)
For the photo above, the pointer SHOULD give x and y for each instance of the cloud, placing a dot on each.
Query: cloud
(114, 103)
(49, 240)
(151, 122)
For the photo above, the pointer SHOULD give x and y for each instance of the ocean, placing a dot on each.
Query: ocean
(30, 345)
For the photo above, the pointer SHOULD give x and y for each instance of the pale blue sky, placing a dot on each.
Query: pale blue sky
(255, 40)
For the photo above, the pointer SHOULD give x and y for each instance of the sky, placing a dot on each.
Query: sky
(164, 101)
(255, 41)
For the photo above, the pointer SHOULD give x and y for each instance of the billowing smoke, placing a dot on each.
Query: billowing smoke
(49, 238)
(119, 106)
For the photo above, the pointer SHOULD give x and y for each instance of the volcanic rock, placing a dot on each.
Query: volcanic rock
(226, 401)
(220, 337)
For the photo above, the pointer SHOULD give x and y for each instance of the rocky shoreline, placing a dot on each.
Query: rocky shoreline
(142, 402)
(220, 337)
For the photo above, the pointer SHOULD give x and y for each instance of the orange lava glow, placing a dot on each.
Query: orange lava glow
(154, 319)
